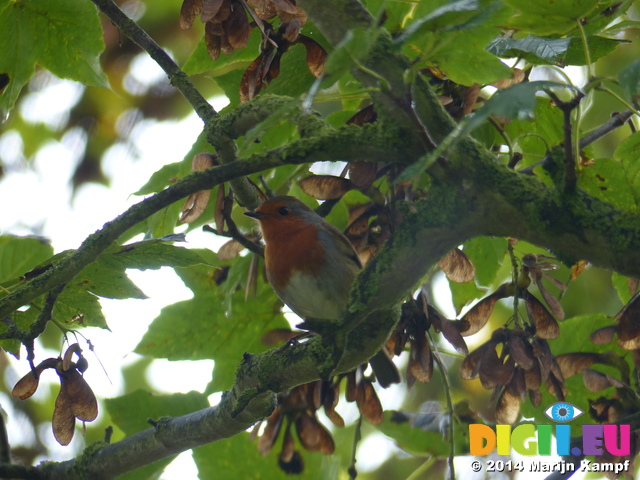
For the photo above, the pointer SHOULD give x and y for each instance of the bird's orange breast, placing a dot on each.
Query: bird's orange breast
(287, 252)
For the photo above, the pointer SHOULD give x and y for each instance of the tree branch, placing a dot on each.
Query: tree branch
(345, 143)
(617, 120)
(177, 77)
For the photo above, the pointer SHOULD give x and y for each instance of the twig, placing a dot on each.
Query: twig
(353, 473)
(617, 120)
(570, 175)
(447, 392)
(177, 77)
(236, 235)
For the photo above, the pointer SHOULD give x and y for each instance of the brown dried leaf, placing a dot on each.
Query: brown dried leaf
(543, 353)
(370, 406)
(68, 355)
(521, 352)
(366, 115)
(493, 372)
(285, 6)
(84, 405)
(290, 30)
(230, 250)
(556, 388)
(469, 97)
(458, 267)
(535, 397)
(532, 377)
(350, 392)
(313, 436)
(212, 40)
(316, 55)
(237, 27)
(517, 76)
(26, 386)
(449, 330)
(594, 380)
(325, 187)
(188, 12)
(193, 207)
(508, 408)
(218, 213)
(362, 174)
(546, 326)
(471, 364)
(263, 9)
(552, 302)
(270, 434)
(477, 317)
(573, 363)
(63, 422)
(420, 365)
(603, 335)
(632, 283)
(628, 324)
(278, 336)
(210, 9)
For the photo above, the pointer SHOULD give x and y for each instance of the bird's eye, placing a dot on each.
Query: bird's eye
(284, 211)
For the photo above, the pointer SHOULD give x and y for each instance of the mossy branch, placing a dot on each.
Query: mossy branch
(348, 142)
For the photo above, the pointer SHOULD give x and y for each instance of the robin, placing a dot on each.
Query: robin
(311, 266)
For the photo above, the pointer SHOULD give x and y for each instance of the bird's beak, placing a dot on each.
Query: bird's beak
(256, 215)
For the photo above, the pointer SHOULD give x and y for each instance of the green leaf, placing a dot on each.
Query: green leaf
(516, 102)
(548, 49)
(621, 284)
(213, 324)
(18, 255)
(352, 48)
(77, 307)
(627, 154)
(426, 439)
(153, 254)
(455, 7)
(539, 50)
(107, 281)
(462, 294)
(542, 17)
(237, 457)
(487, 254)
(630, 81)
(458, 49)
(608, 180)
(63, 37)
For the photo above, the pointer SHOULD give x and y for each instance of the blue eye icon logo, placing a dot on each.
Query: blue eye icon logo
(563, 412)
